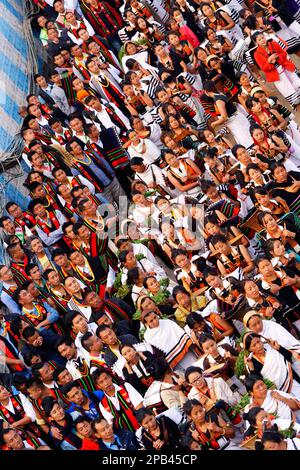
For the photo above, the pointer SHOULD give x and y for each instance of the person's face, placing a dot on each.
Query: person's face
(199, 327)
(259, 389)
(84, 429)
(8, 226)
(149, 423)
(57, 413)
(35, 359)
(33, 290)
(171, 159)
(258, 135)
(59, 60)
(83, 34)
(104, 320)
(138, 124)
(168, 230)
(76, 396)
(262, 418)
(129, 353)
(147, 304)
(244, 79)
(84, 232)
(77, 126)
(213, 281)
(95, 345)
(178, 16)
(182, 261)
(255, 324)
(262, 199)
(4, 393)
(35, 274)
(61, 260)
(221, 247)
(269, 445)
(266, 268)
(174, 124)
(108, 336)
(34, 392)
(39, 193)
(36, 177)
(153, 285)
(60, 175)
(130, 260)
(256, 107)
(75, 147)
(93, 48)
(93, 300)
(64, 191)
(131, 49)
(104, 382)
(243, 156)
(211, 35)
(25, 297)
(196, 380)
(78, 84)
(198, 414)
(251, 289)
(36, 340)
(256, 346)
(278, 248)
(77, 258)
(104, 430)
(13, 440)
(76, 51)
(41, 81)
(59, 7)
(163, 96)
(94, 132)
(269, 222)
(42, 20)
(6, 274)
(68, 352)
(183, 299)
(212, 192)
(212, 229)
(80, 324)
(93, 67)
(36, 246)
(215, 64)
(280, 174)
(210, 347)
(46, 372)
(52, 34)
(69, 232)
(261, 40)
(255, 174)
(37, 160)
(15, 211)
(72, 285)
(141, 23)
(70, 17)
(207, 10)
(90, 207)
(64, 378)
(164, 205)
(152, 320)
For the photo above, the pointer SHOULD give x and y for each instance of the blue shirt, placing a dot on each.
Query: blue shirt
(92, 412)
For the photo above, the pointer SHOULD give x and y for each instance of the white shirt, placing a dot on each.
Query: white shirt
(151, 153)
(134, 396)
(152, 174)
(28, 408)
(71, 364)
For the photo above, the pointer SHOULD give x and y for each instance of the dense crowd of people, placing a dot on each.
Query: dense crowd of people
(152, 295)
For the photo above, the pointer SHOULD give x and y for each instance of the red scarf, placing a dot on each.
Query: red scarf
(123, 418)
(54, 223)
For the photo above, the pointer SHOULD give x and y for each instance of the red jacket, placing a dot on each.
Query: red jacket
(261, 57)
